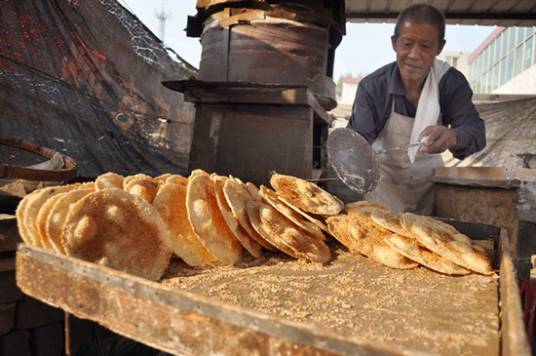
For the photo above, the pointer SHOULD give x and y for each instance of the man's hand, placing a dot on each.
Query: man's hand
(441, 137)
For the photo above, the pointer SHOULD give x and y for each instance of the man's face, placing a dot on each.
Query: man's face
(416, 47)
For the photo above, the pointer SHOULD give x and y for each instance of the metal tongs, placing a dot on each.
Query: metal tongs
(423, 142)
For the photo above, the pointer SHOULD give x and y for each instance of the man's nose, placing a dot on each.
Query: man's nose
(415, 52)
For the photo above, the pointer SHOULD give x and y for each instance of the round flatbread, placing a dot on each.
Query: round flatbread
(58, 214)
(389, 220)
(208, 222)
(283, 234)
(270, 197)
(447, 242)
(109, 180)
(141, 185)
(305, 195)
(170, 202)
(237, 196)
(241, 235)
(369, 240)
(31, 208)
(338, 228)
(20, 213)
(364, 206)
(312, 219)
(118, 230)
(177, 179)
(42, 218)
(162, 178)
(411, 249)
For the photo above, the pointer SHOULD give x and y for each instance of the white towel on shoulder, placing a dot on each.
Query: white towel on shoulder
(428, 109)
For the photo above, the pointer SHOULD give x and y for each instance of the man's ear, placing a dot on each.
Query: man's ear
(393, 42)
(441, 45)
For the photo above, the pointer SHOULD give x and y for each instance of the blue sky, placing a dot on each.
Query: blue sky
(364, 48)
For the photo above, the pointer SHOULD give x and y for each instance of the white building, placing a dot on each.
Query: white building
(349, 88)
(456, 59)
(505, 63)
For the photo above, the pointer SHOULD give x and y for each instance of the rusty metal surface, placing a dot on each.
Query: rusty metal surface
(170, 320)
(83, 78)
(268, 52)
(251, 141)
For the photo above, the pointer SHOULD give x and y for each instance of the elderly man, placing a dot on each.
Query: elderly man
(421, 99)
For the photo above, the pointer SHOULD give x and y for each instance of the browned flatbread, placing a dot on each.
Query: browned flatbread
(170, 202)
(162, 178)
(305, 195)
(177, 179)
(141, 185)
(364, 206)
(309, 217)
(371, 243)
(109, 180)
(118, 230)
(389, 220)
(24, 232)
(447, 242)
(29, 210)
(270, 197)
(410, 248)
(55, 220)
(283, 234)
(41, 220)
(237, 196)
(241, 235)
(208, 222)
(338, 228)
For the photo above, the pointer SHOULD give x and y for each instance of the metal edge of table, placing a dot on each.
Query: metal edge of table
(171, 320)
(513, 337)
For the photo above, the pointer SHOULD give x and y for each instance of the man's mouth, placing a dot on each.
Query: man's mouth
(412, 66)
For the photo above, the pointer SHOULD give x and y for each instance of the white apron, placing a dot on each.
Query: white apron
(403, 185)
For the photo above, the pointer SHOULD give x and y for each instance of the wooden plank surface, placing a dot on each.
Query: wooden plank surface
(514, 340)
(173, 321)
(179, 321)
(497, 177)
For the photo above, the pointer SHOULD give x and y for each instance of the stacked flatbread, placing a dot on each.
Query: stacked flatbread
(136, 223)
(407, 240)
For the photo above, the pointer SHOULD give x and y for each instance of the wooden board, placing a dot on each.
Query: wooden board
(179, 321)
(496, 177)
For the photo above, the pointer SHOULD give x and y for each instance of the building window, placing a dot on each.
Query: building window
(503, 71)
(498, 47)
(519, 60)
(528, 52)
(512, 38)
(509, 66)
(520, 35)
(504, 48)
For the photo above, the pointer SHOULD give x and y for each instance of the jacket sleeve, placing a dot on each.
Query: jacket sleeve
(363, 116)
(464, 119)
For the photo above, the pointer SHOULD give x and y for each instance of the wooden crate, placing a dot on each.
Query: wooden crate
(185, 323)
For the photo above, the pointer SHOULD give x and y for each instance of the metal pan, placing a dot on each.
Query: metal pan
(353, 160)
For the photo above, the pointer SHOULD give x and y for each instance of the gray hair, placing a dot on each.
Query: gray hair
(422, 14)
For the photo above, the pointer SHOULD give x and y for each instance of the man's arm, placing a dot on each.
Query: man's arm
(364, 115)
(464, 119)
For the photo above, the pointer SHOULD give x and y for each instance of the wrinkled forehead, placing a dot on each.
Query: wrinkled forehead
(417, 31)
